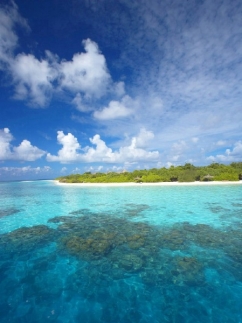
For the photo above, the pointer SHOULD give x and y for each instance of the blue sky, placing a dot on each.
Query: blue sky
(102, 85)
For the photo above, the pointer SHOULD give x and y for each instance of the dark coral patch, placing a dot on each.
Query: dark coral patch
(120, 247)
(133, 210)
(9, 211)
(26, 238)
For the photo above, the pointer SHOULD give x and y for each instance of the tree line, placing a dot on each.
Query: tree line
(185, 173)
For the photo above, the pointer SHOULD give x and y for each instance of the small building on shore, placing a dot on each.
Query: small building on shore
(207, 178)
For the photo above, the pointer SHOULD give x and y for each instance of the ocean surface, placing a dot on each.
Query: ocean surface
(120, 254)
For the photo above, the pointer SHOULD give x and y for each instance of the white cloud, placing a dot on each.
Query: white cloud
(230, 155)
(236, 151)
(32, 79)
(35, 80)
(131, 153)
(101, 152)
(86, 72)
(9, 18)
(79, 104)
(114, 110)
(68, 153)
(119, 88)
(5, 139)
(24, 152)
(182, 152)
(143, 138)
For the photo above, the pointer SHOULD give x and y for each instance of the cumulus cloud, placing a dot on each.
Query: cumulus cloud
(236, 151)
(35, 80)
(142, 139)
(69, 151)
(86, 72)
(24, 152)
(100, 152)
(114, 110)
(230, 155)
(32, 78)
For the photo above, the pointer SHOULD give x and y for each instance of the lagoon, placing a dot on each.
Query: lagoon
(120, 253)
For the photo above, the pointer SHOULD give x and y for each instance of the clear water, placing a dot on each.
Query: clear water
(120, 254)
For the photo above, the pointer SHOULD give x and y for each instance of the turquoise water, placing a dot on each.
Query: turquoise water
(120, 254)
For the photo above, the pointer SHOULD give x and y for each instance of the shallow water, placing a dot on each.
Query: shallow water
(120, 254)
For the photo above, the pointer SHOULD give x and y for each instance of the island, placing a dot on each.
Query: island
(182, 174)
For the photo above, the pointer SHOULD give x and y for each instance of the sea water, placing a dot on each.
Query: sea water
(120, 254)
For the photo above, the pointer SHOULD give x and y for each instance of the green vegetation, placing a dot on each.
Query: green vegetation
(186, 173)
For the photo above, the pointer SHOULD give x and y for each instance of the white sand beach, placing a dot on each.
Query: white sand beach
(151, 184)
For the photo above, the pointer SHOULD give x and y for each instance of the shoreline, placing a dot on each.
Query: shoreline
(131, 184)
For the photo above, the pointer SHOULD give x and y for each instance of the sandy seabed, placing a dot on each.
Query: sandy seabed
(151, 184)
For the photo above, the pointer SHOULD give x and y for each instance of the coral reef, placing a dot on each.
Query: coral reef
(27, 237)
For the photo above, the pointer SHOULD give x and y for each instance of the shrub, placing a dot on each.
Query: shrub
(226, 177)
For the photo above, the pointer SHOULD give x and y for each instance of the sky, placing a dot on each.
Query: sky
(112, 85)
